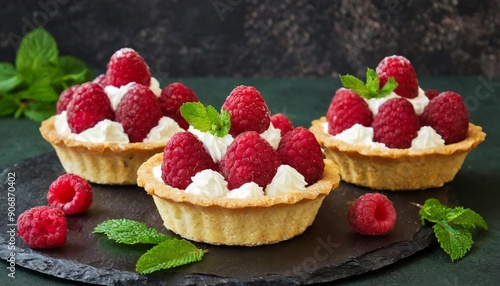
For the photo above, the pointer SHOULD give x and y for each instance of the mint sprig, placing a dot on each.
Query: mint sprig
(371, 88)
(452, 226)
(206, 118)
(168, 252)
(32, 86)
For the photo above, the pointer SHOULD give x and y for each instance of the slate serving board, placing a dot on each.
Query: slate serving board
(328, 250)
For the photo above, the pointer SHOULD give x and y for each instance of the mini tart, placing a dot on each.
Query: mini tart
(102, 163)
(397, 169)
(227, 221)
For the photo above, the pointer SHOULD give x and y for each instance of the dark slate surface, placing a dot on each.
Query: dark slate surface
(291, 38)
(327, 251)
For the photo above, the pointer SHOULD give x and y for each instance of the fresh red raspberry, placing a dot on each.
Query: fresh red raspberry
(447, 114)
(372, 214)
(300, 149)
(248, 110)
(65, 98)
(89, 105)
(249, 158)
(42, 227)
(346, 109)
(171, 99)
(431, 93)
(138, 112)
(70, 193)
(402, 71)
(125, 66)
(100, 80)
(396, 124)
(183, 157)
(281, 122)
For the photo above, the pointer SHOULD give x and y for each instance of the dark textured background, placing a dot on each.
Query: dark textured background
(291, 38)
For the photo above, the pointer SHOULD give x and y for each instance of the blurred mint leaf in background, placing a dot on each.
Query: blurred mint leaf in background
(32, 87)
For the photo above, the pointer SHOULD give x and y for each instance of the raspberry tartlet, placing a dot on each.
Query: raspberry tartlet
(385, 140)
(235, 180)
(105, 129)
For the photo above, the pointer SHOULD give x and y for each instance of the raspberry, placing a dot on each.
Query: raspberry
(42, 227)
(89, 105)
(346, 109)
(100, 80)
(183, 157)
(125, 66)
(70, 193)
(171, 99)
(395, 124)
(431, 93)
(281, 122)
(300, 150)
(248, 110)
(138, 112)
(249, 158)
(372, 214)
(447, 114)
(402, 71)
(65, 98)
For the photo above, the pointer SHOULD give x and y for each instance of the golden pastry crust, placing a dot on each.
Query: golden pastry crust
(102, 163)
(227, 221)
(397, 169)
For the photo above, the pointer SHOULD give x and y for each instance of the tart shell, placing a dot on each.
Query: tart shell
(228, 221)
(397, 169)
(102, 163)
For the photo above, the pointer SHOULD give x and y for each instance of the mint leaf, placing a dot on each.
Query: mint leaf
(206, 118)
(371, 89)
(74, 71)
(39, 111)
(455, 240)
(130, 232)
(38, 92)
(452, 226)
(37, 56)
(8, 105)
(168, 254)
(9, 77)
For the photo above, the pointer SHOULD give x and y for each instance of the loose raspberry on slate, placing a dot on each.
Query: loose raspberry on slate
(125, 66)
(346, 109)
(431, 93)
(282, 122)
(403, 72)
(100, 80)
(138, 112)
(183, 157)
(89, 105)
(70, 193)
(42, 227)
(300, 150)
(171, 99)
(65, 98)
(372, 214)
(248, 110)
(249, 158)
(447, 114)
(396, 124)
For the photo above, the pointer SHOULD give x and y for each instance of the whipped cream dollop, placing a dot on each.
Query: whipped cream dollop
(115, 94)
(272, 135)
(419, 102)
(427, 138)
(247, 190)
(108, 131)
(286, 180)
(216, 146)
(208, 183)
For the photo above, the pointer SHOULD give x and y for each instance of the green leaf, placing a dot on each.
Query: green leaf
(37, 56)
(8, 105)
(130, 232)
(371, 89)
(388, 87)
(455, 240)
(466, 218)
(355, 84)
(206, 119)
(433, 211)
(39, 111)
(38, 92)
(74, 71)
(372, 82)
(9, 77)
(168, 254)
